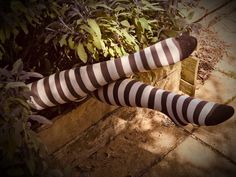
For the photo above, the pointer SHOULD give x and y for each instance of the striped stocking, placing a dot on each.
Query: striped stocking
(73, 84)
(181, 109)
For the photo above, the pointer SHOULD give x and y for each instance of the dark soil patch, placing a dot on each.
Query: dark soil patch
(210, 51)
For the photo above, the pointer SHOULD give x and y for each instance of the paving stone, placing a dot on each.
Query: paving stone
(222, 137)
(219, 88)
(146, 139)
(191, 158)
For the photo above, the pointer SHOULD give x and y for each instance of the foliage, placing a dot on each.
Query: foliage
(21, 152)
(64, 33)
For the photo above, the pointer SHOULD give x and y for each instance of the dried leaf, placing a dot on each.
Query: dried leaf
(40, 119)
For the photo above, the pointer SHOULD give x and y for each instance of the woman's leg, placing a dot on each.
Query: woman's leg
(181, 109)
(72, 84)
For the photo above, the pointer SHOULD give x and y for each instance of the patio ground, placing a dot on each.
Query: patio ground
(141, 142)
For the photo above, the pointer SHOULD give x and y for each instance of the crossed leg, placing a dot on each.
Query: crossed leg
(181, 109)
(72, 84)
(99, 78)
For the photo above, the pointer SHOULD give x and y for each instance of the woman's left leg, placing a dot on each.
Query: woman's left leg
(181, 109)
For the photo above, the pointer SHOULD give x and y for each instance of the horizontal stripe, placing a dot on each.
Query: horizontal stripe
(36, 97)
(174, 102)
(191, 109)
(178, 47)
(161, 54)
(119, 67)
(78, 77)
(132, 63)
(151, 100)
(144, 60)
(197, 111)
(105, 71)
(48, 90)
(138, 62)
(149, 57)
(53, 88)
(65, 88)
(167, 52)
(42, 93)
(133, 92)
(110, 93)
(69, 85)
(85, 79)
(145, 96)
(92, 77)
(121, 91)
(34, 104)
(179, 107)
(205, 111)
(173, 50)
(126, 66)
(112, 70)
(169, 103)
(157, 104)
(98, 74)
(127, 91)
(155, 56)
(74, 83)
(59, 87)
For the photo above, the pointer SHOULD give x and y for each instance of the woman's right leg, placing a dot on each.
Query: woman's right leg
(75, 83)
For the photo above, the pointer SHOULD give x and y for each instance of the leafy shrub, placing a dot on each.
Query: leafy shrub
(64, 33)
(21, 152)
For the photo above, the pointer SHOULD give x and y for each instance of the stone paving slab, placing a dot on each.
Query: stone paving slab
(145, 141)
(219, 88)
(222, 137)
(191, 158)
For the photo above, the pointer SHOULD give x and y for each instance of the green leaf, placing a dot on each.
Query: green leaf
(111, 51)
(125, 23)
(128, 37)
(63, 40)
(97, 42)
(18, 6)
(24, 27)
(71, 43)
(81, 52)
(94, 26)
(144, 23)
(15, 84)
(90, 47)
(17, 67)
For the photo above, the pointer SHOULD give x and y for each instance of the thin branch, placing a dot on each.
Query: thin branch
(212, 11)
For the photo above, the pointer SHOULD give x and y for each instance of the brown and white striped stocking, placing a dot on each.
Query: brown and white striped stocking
(70, 85)
(181, 109)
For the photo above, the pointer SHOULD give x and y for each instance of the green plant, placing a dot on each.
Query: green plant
(21, 152)
(64, 33)
(100, 30)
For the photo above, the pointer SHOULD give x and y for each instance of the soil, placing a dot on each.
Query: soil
(210, 51)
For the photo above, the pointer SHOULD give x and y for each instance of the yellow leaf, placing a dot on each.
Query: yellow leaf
(90, 47)
(71, 43)
(97, 42)
(94, 26)
(81, 52)
(63, 40)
